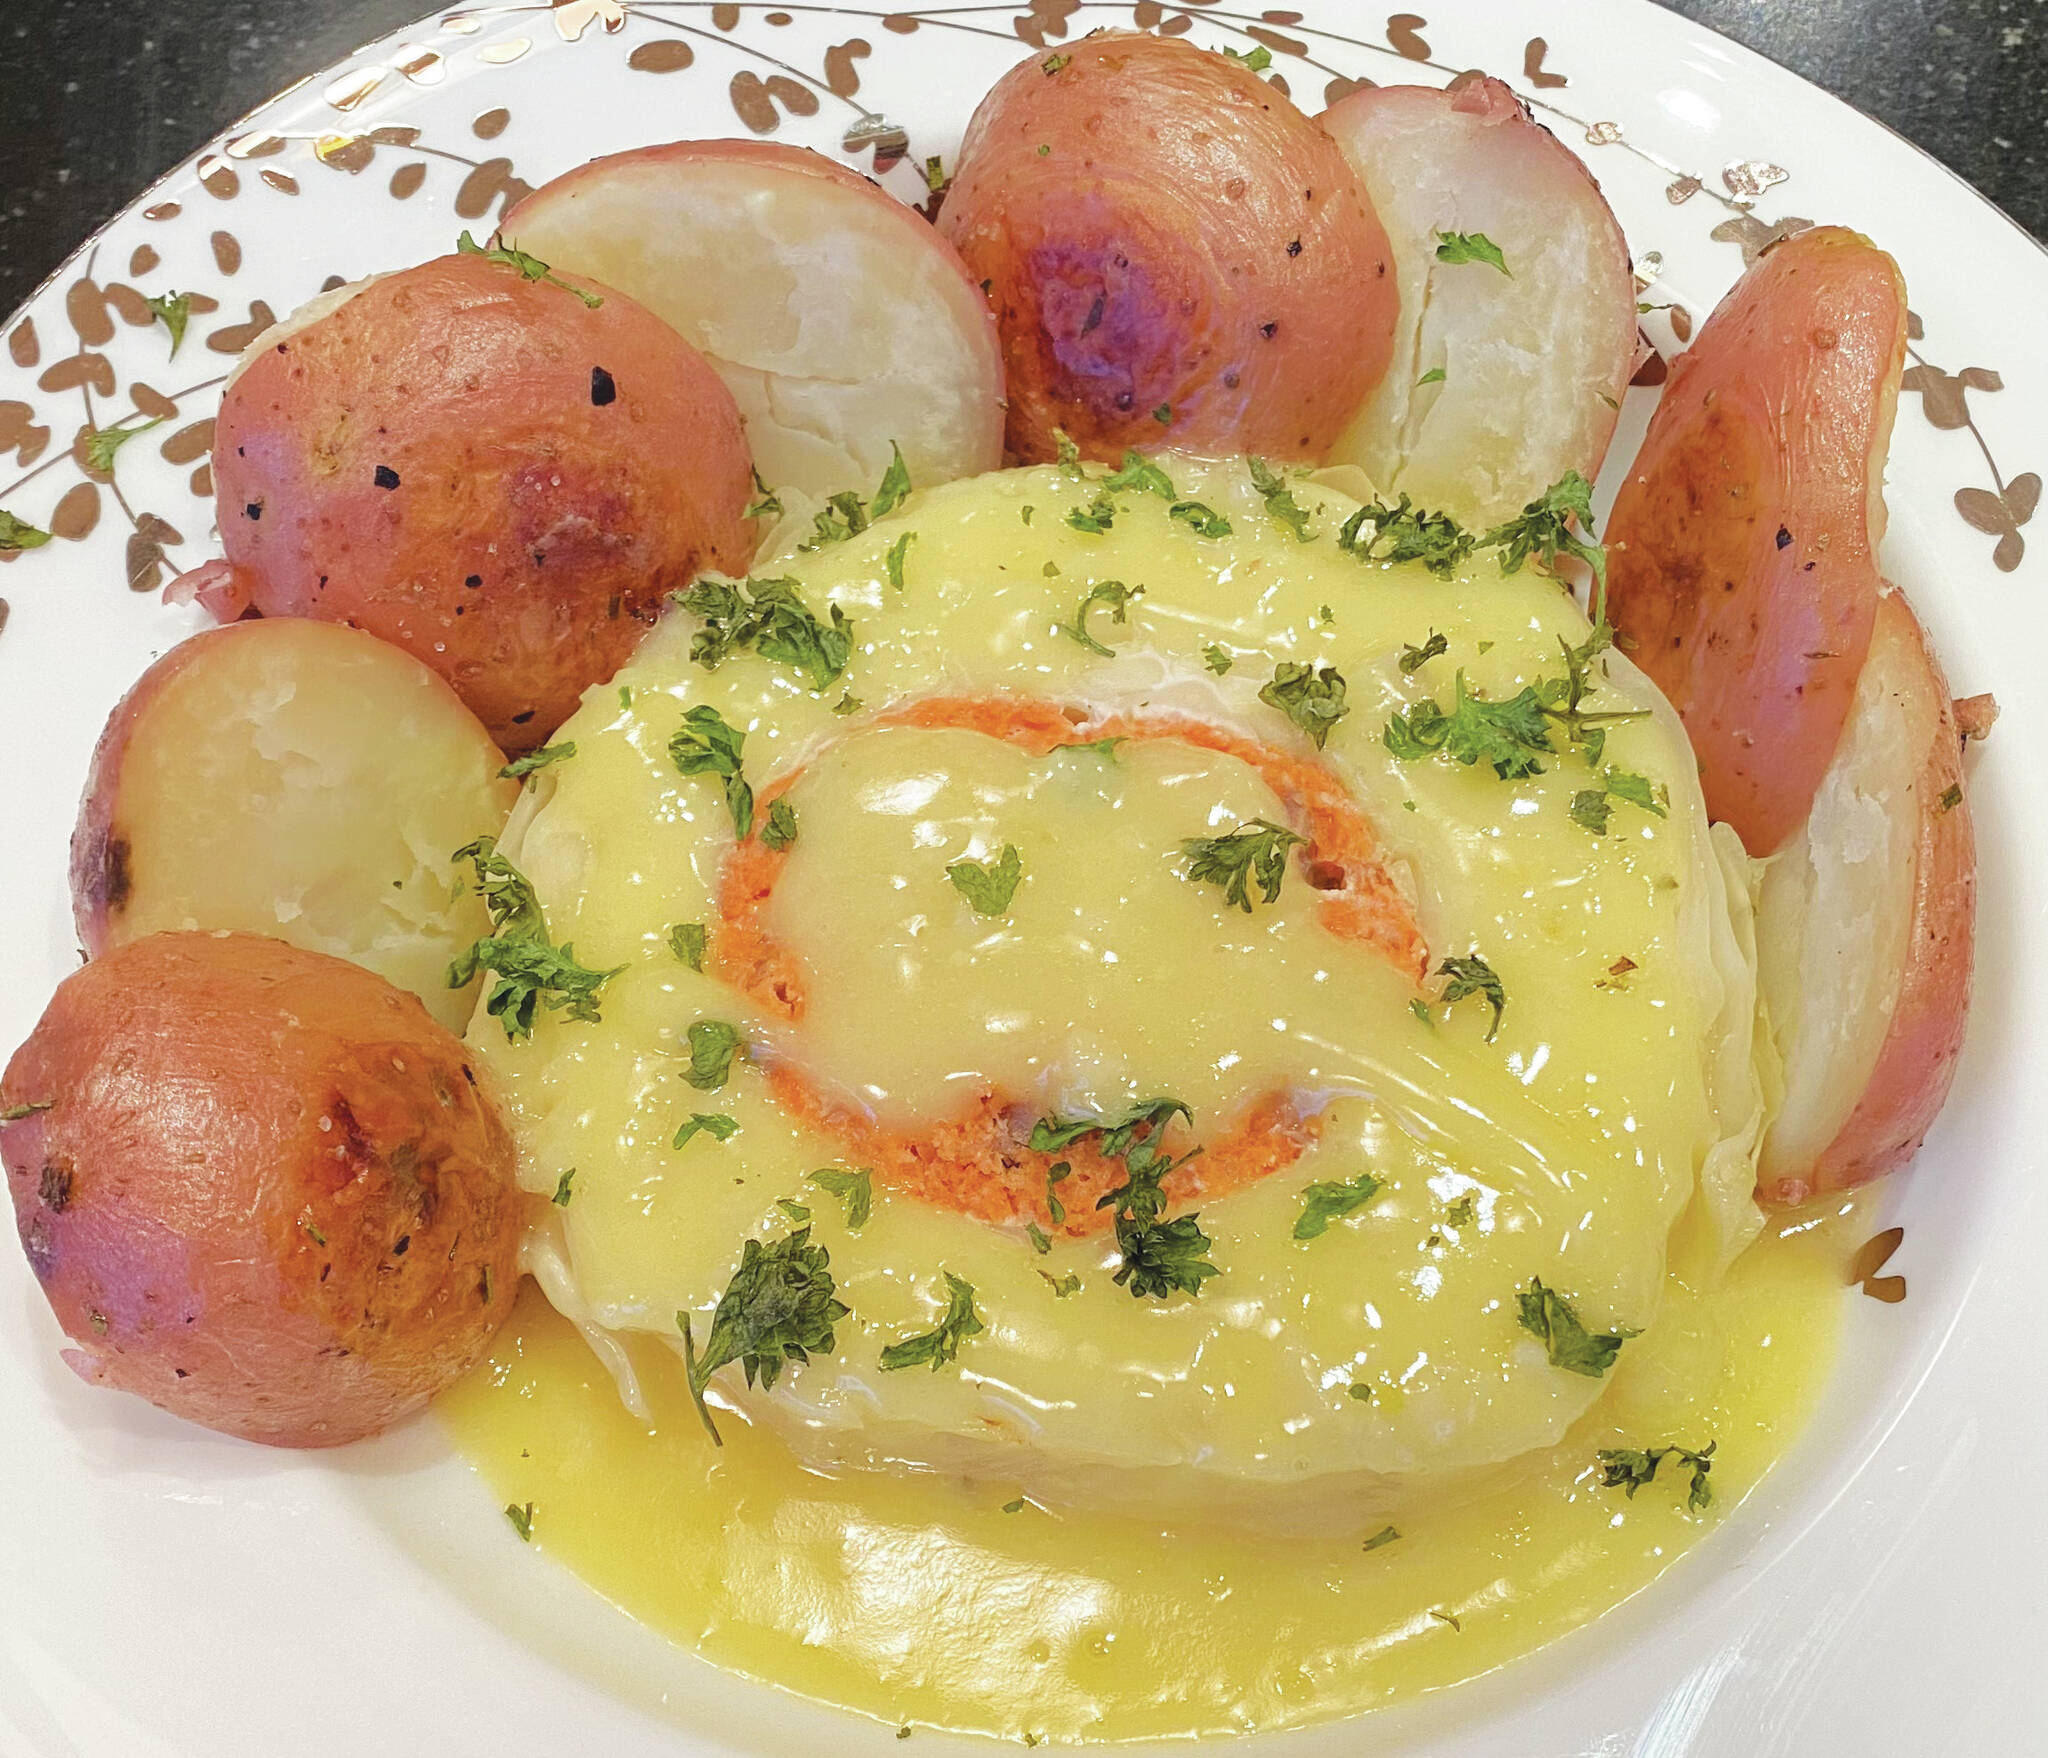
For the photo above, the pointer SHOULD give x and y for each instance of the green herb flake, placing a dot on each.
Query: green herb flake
(1140, 474)
(19, 534)
(15, 1113)
(1163, 415)
(1217, 659)
(894, 488)
(174, 312)
(1200, 518)
(848, 703)
(1015, 1507)
(687, 940)
(540, 759)
(1279, 498)
(319, 1238)
(1548, 1316)
(1257, 61)
(780, 829)
(767, 504)
(565, 1188)
(1067, 453)
(938, 1346)
(1629, 1468)
(1114, 596)
(1434, 376)
(521, 1514)
(1543, 531)
(855, 1189)
(935, 178)
(1473, 976)
(101, 443)
(1405, 532)
(779, 1307)
(1414, 658)
(1053, 63)
(1361, 1393)
(1062, 1286)
(771, 618)
(1326, 1201)
(1420, 1008)
(1095, 518)
(1457, 247)
(1313, 699)
(893, 557)
(1253, 852)
(715, 1124)
(530, 268)
(1055, 1175)
(1041, 1242)
(795, 1210)
(713, 1045)
(1461, 1212)
(1512, 736)
(530, 968)
(1160, 1257)
(1951, 798)
(844, 515)
(707, 745)
(1385, 1535)
(989, 885)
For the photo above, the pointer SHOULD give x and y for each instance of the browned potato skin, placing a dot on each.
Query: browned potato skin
(1159, 228)
(267, 1194)
(439, 461)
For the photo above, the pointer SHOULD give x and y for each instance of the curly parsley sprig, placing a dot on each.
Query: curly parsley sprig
(530, 968)
(779, 1307)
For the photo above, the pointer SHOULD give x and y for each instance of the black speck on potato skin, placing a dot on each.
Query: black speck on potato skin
(116, 878)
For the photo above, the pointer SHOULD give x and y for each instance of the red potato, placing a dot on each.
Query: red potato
(839, 320)
(297, 779)
(1742, 550)
(266, 1192)
(1176, 255)
(1533, 362)
(1865, 931)
(486, 472)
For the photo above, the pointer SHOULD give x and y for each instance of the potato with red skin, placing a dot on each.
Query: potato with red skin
(1742, 549)
(297, 779)
(1866, 929)
(485, 471)
(1175, 253)
(260, 1187)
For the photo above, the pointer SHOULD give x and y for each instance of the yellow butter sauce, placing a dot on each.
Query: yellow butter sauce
(924, 1602)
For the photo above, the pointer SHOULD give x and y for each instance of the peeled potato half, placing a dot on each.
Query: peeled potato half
(295, 779)
(837, 317)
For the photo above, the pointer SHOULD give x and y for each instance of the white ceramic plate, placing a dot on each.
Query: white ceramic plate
(165, 1593)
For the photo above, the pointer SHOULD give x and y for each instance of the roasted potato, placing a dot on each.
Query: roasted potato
(485, 470)
(260, 1187)
(1512, 373)
(1865, 930)
(1742, 550)
(298, 779)
(1175, 253)
(839, 320)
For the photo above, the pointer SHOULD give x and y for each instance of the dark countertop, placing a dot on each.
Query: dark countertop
(103, 96)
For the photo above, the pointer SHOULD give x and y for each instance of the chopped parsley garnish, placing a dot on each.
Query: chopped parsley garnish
(1114, 595)
(1217, 659)
(713, 1045)
(1474, 976)
(174, 312)
(1160, 1257)
(795, 1210)
(687, 941)
(103, 442)
(779, 1307)
(1252, 852)
(1405, 532)
(848, 703)
(15, 1113)
(707, 745)
(1629, 1468)
(1461, 1212)
(1053, 63)
(1547, 1315)
(769, 503)
(1592, 807)
(1455, 247)
(529, 967)
(1055, 1175)
(1543, 530)
(939, 1345)
(892, 559)
(715, 1124)
(1434, 376)
(564, 1189)
(1414, 658)
(19, 534)
(769, 617)
(1163, 414)
(1313, 699)
(1510, 735)
(1140, 473)
(780, 830)
(530, 268)
(1040, 1241)
(1069, 454)
(1279, 498)
(935, 178)
(1257, 61)
(1097, 517)
(521, 1516)
(537, 760)
(989, 885)
(894, 488)
(1200, 518)
(1951, 798)
(1062, 1286)
(1104, 748)
(842, 516)
(854, 1186)
(1359, 1393)
(1327, 1200)
(1385, 1535)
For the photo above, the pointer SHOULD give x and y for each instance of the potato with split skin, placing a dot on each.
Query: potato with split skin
(259, 1187)
(1742, 549)
(841, 321)
(1512, 373)
(503, 475)
(1176, 255)
(1866, 929)
(297, 779)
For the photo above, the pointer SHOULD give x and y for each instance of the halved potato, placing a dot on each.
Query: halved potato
(839, 320)
(1504, 379)
(1742, 548)
(1865, 929)
(1176, 255)
(296, 779)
